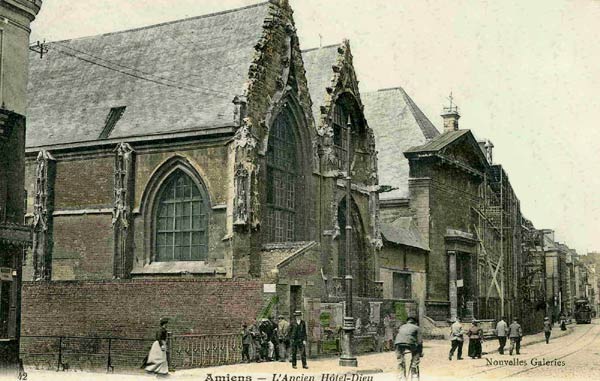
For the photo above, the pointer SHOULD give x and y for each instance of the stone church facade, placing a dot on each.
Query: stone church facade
(204, 184)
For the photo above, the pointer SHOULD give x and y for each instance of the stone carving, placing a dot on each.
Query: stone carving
(42, 216)
(123, 190)
(242, 196)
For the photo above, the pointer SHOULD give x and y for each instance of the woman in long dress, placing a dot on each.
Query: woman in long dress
(475, 334)
(157, 358)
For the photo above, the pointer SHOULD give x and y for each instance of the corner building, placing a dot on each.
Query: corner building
(15, 19)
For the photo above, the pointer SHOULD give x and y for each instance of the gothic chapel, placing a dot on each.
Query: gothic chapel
(202, 182)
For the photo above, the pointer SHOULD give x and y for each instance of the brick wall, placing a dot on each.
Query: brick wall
(83, 247)
(132, 308)
(84, 183)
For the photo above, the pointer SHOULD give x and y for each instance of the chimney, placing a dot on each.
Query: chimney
(451, 116)
(489, 147)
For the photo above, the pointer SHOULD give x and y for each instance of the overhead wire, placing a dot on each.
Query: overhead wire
(161, 80)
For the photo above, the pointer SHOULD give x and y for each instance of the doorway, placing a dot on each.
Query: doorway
(295, 300)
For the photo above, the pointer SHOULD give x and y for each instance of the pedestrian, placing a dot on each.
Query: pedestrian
(246, 343)
(563, 323)
(475, 334)
(456, 339)
(515, 333)
(547, 329)
(157, 357)
(256, 338)
(274, 339)
(409, 339)
(501, 332)
(388, 325)
(298, 339)
(283, 328)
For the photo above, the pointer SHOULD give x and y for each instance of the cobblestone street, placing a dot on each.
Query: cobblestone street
(571, 355)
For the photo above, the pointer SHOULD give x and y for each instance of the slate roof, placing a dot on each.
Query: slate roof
(317, 63)
(398, 124)
(403, 231)
(193, 68)
(439, 142)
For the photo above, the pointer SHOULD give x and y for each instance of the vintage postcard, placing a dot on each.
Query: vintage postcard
(299, 190)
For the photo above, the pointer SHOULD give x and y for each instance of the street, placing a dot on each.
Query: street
(571, 355)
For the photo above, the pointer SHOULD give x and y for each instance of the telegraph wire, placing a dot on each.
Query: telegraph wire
(174, 84)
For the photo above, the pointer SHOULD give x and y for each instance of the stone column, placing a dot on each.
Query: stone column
(42, 216)
(452, 284)
(124, 177)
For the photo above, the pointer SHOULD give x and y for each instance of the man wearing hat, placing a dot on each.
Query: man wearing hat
(409, 339)
(283, 328)
(298, 339)
(515, 333)
(547, 329)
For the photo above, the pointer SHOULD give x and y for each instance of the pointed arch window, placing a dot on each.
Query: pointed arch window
(282, 177)
(340, 135)
(181, 222)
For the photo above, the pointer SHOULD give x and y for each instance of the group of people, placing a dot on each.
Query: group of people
(270, 341)
(513, 332)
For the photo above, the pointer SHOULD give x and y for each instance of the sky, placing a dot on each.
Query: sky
(525, 74)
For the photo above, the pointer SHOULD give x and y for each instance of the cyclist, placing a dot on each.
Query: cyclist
(409, 339)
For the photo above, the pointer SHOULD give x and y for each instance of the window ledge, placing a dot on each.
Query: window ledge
(183, 267)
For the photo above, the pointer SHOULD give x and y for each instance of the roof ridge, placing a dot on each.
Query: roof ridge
(321, 47)
(389, 89)
(418, 114)
(206, 15)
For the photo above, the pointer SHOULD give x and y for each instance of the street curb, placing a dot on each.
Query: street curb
(368, 371)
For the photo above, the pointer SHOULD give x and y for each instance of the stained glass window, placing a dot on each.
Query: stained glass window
(282, 174)
(181, 221)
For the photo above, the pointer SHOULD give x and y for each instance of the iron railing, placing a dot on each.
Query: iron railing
(196, 351)
(62, 353)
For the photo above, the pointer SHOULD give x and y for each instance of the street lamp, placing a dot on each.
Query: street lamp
(347, 357)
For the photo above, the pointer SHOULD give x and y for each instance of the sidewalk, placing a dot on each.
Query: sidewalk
(380, 366)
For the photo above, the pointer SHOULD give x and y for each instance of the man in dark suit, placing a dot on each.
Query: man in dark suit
(298, 339)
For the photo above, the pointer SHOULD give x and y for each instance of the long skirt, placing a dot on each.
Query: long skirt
(157, 360)
(475, 348)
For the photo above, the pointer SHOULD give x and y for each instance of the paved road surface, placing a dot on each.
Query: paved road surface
(571, 356)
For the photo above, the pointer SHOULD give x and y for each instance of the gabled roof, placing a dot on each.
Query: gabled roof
(398, 124)
(319, 74)
(440, 142)
(403, 231)
(171, 77)
(449, 141)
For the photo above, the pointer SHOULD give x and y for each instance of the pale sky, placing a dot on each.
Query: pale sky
(525, 74)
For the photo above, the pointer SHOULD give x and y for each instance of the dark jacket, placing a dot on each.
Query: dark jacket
(297, 331)
(475, 333)
(161, 334)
